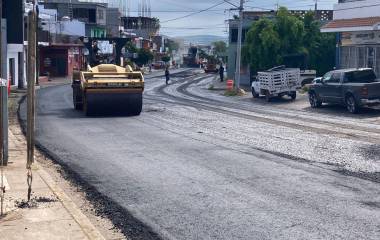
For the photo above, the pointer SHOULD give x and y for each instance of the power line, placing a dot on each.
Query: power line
(191, 14)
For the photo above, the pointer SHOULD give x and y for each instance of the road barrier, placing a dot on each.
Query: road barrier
(230, 84)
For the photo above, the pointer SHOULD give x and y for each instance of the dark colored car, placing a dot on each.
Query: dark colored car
(353, 88)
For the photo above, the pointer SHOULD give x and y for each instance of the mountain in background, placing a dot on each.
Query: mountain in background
(202, 39)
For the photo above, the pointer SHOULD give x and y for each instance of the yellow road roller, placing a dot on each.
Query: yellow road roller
(108, 87)
(104, 86)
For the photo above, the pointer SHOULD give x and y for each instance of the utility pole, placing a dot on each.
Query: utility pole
(31, 77)
(316, 5)
(21, 73)
(238, 55)
(316, 10)
(2, 83)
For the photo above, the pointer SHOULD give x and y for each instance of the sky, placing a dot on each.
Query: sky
(213, 21)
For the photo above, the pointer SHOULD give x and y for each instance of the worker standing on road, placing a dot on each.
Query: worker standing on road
(221, 72)
(167, 75)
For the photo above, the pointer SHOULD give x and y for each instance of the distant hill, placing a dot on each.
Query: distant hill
(202, 39)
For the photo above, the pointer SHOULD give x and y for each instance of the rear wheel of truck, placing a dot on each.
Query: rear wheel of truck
(268, 97)
(293, 95)
(254, 93)
(351, 104)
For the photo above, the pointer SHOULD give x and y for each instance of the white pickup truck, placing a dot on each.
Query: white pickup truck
(278, 81)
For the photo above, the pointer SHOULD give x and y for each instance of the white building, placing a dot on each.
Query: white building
(358, 25)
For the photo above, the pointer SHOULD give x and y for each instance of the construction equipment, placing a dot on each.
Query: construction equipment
(105, 86)
(191, 59)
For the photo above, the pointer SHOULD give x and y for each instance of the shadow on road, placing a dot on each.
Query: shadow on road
(302, 104)
(69, 113)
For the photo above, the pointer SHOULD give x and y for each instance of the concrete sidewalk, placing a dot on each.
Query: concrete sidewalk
(51, 214)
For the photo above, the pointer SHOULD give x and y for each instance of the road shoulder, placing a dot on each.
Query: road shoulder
(51, 213)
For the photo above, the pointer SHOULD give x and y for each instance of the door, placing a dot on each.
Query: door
(12, 71)
(61, 67)
(330, 90)
(334, 88)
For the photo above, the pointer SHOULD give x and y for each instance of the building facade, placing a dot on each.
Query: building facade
(144, 27)
(357, 24)
(13, 14)
(93, 14)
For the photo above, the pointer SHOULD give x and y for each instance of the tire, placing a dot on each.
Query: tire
(137, 106)
(351, 104)
(254, 93)
(87, 108)
(78, 105)
(293, 95)
(268, 97)
(314, 101)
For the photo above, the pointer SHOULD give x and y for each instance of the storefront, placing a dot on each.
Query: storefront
(59, 60)
(357, 24)
(360, 50)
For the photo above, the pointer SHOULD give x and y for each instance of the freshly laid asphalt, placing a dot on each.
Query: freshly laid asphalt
(178, 180)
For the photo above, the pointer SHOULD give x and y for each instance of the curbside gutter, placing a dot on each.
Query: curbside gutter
(84, 223)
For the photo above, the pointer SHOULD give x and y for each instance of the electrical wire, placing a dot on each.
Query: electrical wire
(192, 14)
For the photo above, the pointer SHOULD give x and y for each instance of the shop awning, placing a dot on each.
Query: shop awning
(352, 25)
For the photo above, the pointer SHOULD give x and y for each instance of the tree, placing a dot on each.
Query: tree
(288, 40)
(130, 47)
(144, 56)
(220, 47)
(320, 46)
(262, 47)
(203, 54)
(166, 58)
(172, 45)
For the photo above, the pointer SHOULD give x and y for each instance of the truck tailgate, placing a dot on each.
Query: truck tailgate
(373, 90)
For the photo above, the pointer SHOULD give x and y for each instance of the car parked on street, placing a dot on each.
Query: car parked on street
(353, 88)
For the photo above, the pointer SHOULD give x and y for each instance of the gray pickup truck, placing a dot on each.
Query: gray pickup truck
(353, 88)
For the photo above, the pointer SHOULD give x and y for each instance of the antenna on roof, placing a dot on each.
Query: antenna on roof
(139, 11)
(149, 9)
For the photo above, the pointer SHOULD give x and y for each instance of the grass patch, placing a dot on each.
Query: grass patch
(304, 89)
(235, 92)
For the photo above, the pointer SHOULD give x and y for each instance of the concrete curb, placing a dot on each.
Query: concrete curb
(84, 223)
(88, 228)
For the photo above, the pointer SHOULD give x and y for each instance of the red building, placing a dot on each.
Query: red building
(59, 60)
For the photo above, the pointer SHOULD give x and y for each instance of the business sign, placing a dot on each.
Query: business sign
(105, 47)
(3, 82)
(357, 38)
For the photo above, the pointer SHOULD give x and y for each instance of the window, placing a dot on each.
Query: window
(327, 77)
(364, 76)
(234, 35)
(332, 78)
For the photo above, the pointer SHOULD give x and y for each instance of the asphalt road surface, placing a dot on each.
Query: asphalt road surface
(198, 165)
